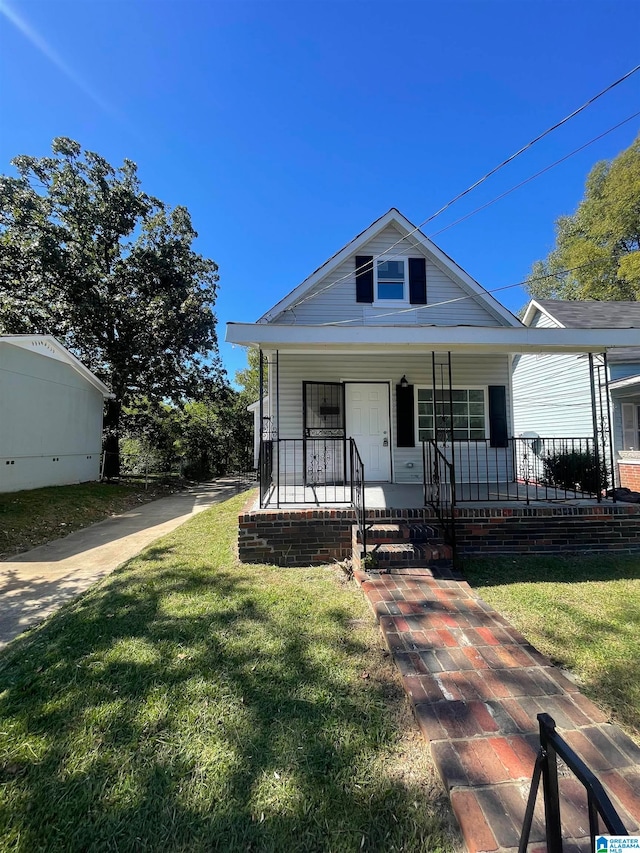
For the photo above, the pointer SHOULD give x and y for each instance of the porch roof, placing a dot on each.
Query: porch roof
(490, 339)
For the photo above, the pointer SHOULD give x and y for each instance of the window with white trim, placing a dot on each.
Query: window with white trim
(391, 280)
(630, 426)
(469, 413)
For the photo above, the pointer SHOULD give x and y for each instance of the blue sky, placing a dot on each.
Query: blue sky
(288, 127)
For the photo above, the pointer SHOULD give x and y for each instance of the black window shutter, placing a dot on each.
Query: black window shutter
(498, 433)
(364, 278)
(404, 417)
(418, 281)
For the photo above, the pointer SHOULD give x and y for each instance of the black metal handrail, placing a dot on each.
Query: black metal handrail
(439, 489)
(598, 802)
(356, 468)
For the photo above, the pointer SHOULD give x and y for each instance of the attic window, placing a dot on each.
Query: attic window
(391, 280)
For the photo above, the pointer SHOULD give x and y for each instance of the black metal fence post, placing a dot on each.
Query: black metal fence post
(550, 785)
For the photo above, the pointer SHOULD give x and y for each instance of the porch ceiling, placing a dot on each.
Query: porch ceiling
(429, 338)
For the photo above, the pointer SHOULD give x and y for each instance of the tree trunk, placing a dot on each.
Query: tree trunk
(111, 439)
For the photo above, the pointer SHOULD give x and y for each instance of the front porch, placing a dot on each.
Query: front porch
(401, 496)
(518, 484)
(316, 535)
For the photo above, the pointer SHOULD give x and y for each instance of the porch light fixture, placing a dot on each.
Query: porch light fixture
(404, 383)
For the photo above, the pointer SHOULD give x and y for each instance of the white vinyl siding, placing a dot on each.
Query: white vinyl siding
(468, 371)
(551, 393)
(338, 303)
(542, 321)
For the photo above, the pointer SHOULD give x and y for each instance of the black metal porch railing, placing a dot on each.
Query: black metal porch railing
(356, 469)
(265, 470)
(525, 469)
(598, 803)
(311, 471)
(439, 485)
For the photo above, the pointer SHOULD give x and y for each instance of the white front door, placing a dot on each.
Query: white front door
(367, 421)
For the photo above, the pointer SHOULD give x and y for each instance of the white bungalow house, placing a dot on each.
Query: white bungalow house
(390, 383)
(552, 391)
(50, 416)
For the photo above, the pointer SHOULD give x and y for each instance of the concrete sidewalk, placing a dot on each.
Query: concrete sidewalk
(35, 584)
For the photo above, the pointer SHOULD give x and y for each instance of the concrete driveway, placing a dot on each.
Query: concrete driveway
(35, 584)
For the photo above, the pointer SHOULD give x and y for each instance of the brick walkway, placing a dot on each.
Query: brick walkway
(476, 685)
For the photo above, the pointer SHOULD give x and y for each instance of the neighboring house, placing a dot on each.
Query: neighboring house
(391, 344)
(50, 417)
(552, 392)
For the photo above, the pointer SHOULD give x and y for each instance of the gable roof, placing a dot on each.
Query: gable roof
(587, 313)
(440, 258)
(50, 347)
(591, 314)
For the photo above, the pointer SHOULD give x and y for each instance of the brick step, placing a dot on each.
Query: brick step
(408, 553)
(423, 533)
(386, 533)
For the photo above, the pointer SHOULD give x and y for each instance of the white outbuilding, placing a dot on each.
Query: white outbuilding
(51, 409)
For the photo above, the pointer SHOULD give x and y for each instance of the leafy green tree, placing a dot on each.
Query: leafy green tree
(87, 256)
(249, 378)
(216, 435)
(151, 433)
(601, 239)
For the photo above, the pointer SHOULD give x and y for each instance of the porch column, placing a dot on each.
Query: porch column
(594, 418)
(609, 425)
(261, 425)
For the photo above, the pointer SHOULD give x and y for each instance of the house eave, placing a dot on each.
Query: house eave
(486, 339)
(534, 306)
(627, 382)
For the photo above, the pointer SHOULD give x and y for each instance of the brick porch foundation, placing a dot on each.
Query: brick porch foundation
(315, 536)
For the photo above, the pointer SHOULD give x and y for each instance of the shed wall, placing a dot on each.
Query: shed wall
(50, 422)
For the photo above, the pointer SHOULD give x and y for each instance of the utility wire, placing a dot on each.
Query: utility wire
(480, 181)
(498, 198)
(537, 175)
(467, 296)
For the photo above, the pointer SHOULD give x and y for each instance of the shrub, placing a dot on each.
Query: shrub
(574, 470)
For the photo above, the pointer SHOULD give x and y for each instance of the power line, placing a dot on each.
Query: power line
(469, 295)
(498, 198)
(537, 175)
(475, 185)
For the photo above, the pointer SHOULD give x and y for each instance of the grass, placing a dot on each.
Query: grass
(581, 611)
(192, 703)
(37, 516)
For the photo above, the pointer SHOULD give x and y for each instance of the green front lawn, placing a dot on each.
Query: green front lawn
(192, 703)
(37, 516)
(583, 612)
